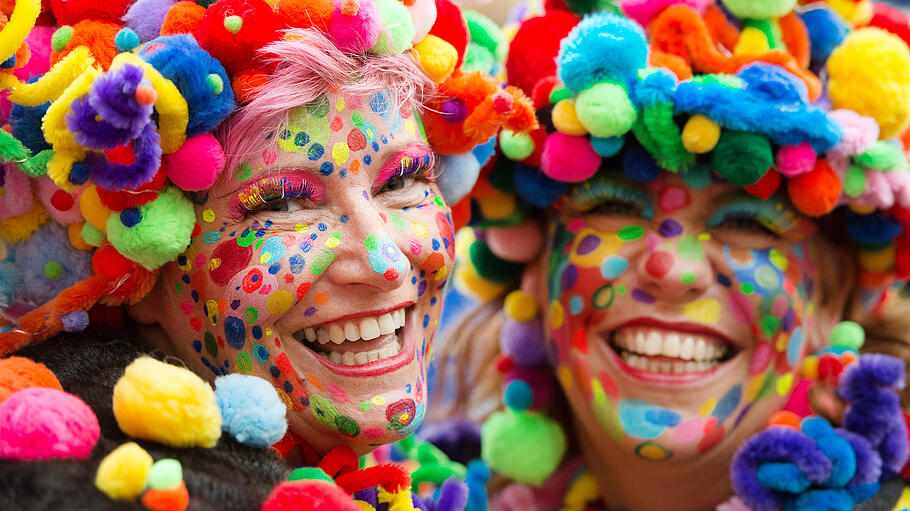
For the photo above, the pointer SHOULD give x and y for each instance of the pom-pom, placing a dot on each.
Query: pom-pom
(518, 395)
(793, 160)
(166, 404)
(237, 51)
(48, 264)
(741, 157)
(451, 27)
(458, 176)
(17, 373)
(309, 495)
(765, 9)
(184, 17)
(516, 243)
(826, 30)
(197, 163)
(121, 474)
(520, 306)
(815, 193)
(507, 441)
(174, 499)
(62, 206)
(533, 50)
(565, 118)
(40, 423)
(605, 110)
(126, 40)
(568, 158)
(305, 14)
(766, 186)
(71, 11)
(643, 11)
(523, 342)
(162, 234)
(489, 266)
(75, 321)
(603, 47)
(165, 474)
(423, 12)
(516, 146)
(848, 334)
(700, 134)
(639, 166)
(437, 57)
(397, 28)
(251, 410)
(870, 74)
(355, 32)
(145, 18)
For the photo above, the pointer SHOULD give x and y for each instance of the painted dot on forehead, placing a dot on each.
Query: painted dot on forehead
(670, 228)
(673, 198)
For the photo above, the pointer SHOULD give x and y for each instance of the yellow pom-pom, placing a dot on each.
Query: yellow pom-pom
(74, 231)
(700, 134)
(862, 209)
(466, 277)
(121, 474)
(167, 404)
(496, 205)
(857, 13)
(20, 228)
(565, 118)
(810, 367)
(752, 41)
(93, 210)
(869, 73)
(520, 306)
(879, 261)
(437, 57)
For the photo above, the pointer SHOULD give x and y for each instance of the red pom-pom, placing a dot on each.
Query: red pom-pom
(568, 158)
(766, 186)
(815, 193)
(451, 27)
(174, 499)
(533, 50)
(233, 30)
(61, 201)
(461, 213)
(309, 495)
(17, 373)
(183, 18)
(890, 19)
(541, 93)
(120, 200)
(69, 12)
(902, 254)
(106, 261)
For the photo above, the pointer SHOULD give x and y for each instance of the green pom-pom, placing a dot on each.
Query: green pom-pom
(162, 233)
(53, 270)
(164, 474)
(883, 155)
(61, 38)
(589, 6)
(478, 58)
(855, 181)
(491, 267)
(605, 110)
(398, 28)
(559, 93)
(485, 33)
(310, 474)
(525, 446)
(759, 10)
(92, 236)
(848, 334)
(216, 83)
(516, 146)
(233, 24)
(741, 157)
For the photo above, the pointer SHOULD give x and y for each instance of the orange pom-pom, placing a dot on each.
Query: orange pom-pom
(815, 193)
(784, 418)
(247, 84)
(98, 36)
(183, 18)
(17, 373)
(176, 499)
(306, 13)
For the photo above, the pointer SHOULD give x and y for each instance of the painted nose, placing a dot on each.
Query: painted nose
(366, 255)
(675, 276)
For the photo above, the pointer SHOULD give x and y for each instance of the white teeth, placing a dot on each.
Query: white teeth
(700, 349)
(637, 344)
(349, 358)
(369, 329)
(361, 358)
(335, 357)
(336, 334)
(641, 344)
(322, 335)
(310, 334)
(687, 349)
(642, 363)
(351, 332)
(398, 316)
(671, 346)
(386, 324)
(654, 343)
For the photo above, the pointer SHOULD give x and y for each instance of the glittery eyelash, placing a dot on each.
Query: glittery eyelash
(414, 162)
(773, 215)
(269, 189)
(595, 192)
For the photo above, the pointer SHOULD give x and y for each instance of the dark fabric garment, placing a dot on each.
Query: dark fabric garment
(228, 477)
(885, 499)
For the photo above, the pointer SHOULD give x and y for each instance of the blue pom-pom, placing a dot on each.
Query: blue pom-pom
(130, 217)
(518, 395)
(126, 40)
(251, 410)
(458, 176)
(875, 229)
(607, 147)
(785, 477)
(78, 173)
(535, 187)
(826, 31)
(9, 63)
(75, 321)
(603, 47)
(26, 124)
(485, 151)
(639, 165)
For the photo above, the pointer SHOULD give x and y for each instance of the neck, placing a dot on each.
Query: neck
(629, 482)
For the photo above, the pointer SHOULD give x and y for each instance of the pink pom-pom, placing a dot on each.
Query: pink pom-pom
(309, 495)
(423, 12)
(900, 186)
(61, 205)
(39, 46)
(17, 199)
(643, 11)
(42, 424)
(514, 497)
(793, 160)
(568, 158)
(517, 243)
(197, 164)
(798, 402)
(878, 192)
(354, 32)
(860, 132)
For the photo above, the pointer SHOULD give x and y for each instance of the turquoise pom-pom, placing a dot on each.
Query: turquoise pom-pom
(126, 40)
(603, 47)
(251, 410)
(518, 395)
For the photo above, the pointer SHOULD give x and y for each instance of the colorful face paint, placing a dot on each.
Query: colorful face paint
(320, 267)
(677, 325)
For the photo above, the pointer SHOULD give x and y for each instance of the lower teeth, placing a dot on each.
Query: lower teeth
(667, 367)
(352, 359)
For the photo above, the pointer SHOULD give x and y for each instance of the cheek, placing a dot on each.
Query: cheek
(426, 239)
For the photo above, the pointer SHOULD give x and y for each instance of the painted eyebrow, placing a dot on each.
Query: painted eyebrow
(393, 164)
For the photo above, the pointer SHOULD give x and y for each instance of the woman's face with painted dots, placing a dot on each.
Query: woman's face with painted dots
(319, 266)
(679, 311)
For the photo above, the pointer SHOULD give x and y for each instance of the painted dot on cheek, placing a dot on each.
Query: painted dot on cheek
(587, 245)
(576, 304)
(659, 264)
(613, 267)
(235, 332)
(642, 296)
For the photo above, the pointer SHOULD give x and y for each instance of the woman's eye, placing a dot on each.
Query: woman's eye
(745, 224)
(616, 208)
(396, 183)
(284, 206)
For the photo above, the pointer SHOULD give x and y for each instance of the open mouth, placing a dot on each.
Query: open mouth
(360, 341)
(664, 351)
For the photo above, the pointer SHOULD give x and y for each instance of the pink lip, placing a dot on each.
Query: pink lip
(363, 314)
(384, 366)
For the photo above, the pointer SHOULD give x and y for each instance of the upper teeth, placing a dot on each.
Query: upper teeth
(367, 328)
(648, 341)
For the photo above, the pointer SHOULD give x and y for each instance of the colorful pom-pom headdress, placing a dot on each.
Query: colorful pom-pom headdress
(111, 121)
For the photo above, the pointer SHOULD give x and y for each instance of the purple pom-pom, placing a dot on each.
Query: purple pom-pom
(523, 341)
(113, 95)
(453, 496)
(75, 321)
(454, 110)
(459, 439)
